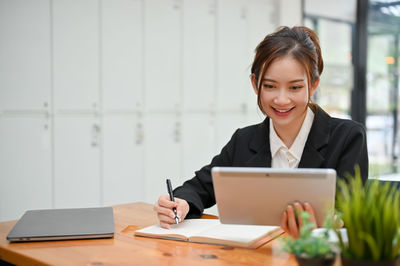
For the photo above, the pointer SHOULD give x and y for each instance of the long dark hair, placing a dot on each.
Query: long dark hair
(300, 42)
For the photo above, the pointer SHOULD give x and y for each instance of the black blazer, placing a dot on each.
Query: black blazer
(332, 143)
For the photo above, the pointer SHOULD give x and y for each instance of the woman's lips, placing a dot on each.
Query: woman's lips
(282, 112)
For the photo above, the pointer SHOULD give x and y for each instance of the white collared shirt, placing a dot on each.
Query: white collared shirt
(282, 157)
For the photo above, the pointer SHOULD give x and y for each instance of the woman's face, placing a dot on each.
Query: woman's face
(284, 92)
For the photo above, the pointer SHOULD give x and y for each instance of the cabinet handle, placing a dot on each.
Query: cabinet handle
(177, 132)
(139, 134)
(95, 135)
(243, 13)
(176, 4)
(211, 8)
(47, 118)
(244, 108)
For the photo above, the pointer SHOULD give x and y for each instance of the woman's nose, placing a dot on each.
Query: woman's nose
(282, 98)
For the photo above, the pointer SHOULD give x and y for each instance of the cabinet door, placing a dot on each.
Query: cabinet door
(262, 17)
(122, 159)
(163, 47)
(122, 54)
(76, 54)
(262, 20)
(77, 161)
(198, 139)
(233, 62)
(24, 55)
(25, 165)
(163, 154)
(199, 51)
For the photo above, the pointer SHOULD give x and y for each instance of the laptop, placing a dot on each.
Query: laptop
(253, 195)
(63, 224)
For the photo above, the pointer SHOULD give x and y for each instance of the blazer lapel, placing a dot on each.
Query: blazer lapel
(311, 158)
(260, 145)
(317, 139)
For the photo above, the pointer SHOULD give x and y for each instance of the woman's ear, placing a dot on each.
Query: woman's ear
(254, 83)
(314, 88)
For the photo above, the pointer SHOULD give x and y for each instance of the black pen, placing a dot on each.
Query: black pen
(171, 196)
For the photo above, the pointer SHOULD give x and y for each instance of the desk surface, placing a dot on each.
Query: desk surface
(126, 249)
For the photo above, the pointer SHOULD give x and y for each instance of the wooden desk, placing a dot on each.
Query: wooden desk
(126, 249)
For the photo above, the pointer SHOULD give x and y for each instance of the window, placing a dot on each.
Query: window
(383, 87)
(334, 95)
(335, 26)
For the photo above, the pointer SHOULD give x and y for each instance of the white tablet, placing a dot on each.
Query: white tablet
(252, 195)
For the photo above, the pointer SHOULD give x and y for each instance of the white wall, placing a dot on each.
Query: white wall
(101, 100)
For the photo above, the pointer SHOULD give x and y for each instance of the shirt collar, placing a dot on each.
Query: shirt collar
(275, 141)
(298, 145)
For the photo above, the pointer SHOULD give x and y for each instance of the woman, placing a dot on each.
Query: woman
(296, 133)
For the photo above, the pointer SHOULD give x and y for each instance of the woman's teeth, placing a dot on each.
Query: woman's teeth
(283, 111)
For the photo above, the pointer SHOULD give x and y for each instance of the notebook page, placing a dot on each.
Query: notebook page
(186, 228)
(237, 232)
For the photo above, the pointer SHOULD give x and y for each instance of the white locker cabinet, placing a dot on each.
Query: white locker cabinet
(163, 140)
(163, 46)
(24, 55)
(138, 90)
(232, 54)
(76, 54)
(199, 54)
(198, 140)
(122, 54)
(25, 165)
(122, 162)
(77, 177)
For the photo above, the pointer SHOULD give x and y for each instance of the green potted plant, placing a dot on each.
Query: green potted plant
(371, 216)
(311, 249)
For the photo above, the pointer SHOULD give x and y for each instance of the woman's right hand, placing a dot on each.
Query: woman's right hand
(291, 221)
(166, 215)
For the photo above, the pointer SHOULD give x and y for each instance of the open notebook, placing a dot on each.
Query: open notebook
(211, 231)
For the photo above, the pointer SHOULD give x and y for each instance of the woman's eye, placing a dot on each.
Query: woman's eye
(296, 87)
(268, 86)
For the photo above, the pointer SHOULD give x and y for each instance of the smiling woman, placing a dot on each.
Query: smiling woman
(284, 96)
(295, 134)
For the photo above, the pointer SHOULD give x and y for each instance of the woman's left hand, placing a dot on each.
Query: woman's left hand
(291, 221)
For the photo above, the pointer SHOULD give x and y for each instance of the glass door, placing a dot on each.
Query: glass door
(383, 88)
